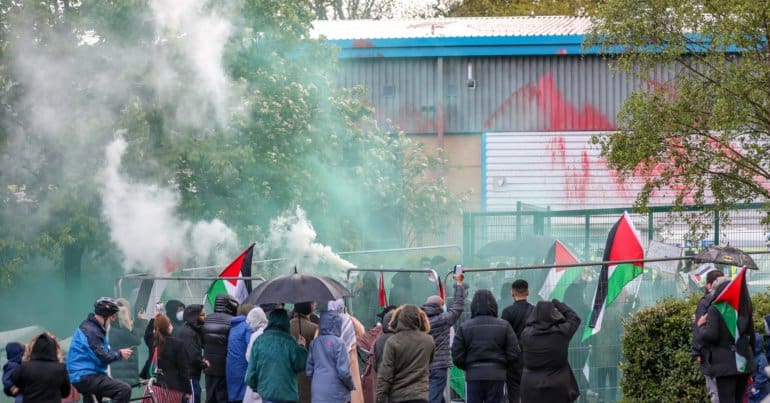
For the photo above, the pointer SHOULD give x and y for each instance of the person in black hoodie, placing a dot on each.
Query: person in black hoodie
(42, 377)
(216, 330)
(484, 347)
(547, 376)
(175, 313)
(192, 339)
(174, 369)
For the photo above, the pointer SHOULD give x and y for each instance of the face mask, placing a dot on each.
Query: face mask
(179, 316)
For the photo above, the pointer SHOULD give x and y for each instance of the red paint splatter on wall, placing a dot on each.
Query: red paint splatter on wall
(562, 115)
(507, 108)
(557, 147)
(577, 179)
(559, 114)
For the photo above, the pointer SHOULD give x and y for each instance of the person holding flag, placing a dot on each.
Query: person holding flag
(727, 331)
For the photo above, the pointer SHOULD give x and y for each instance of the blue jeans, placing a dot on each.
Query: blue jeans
(196, 388)
(484, 391)
(436, 384)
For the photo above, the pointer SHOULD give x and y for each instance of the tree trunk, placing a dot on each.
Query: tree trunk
(72, 258)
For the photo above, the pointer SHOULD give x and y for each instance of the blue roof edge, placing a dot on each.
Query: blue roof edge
(462, 46)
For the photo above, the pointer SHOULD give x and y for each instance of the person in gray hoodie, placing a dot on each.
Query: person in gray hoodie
(440, 324)
(328, 363)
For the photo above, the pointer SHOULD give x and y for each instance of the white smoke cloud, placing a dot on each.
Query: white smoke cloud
(292, 234)
(145, 228)
(201, 38)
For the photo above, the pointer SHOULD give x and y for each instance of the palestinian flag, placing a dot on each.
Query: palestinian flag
(559, 278)
(240, 289)
(623, 243)
(152, 291)
(734, 304)
(381, 291)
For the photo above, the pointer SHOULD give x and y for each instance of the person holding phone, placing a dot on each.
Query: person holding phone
(440, 324)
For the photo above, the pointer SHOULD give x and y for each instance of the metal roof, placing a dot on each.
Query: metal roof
(456, 37)
(451, 27)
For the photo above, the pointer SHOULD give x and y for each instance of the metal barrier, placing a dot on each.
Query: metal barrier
(598, 377)
(368, 298)
(186, 289)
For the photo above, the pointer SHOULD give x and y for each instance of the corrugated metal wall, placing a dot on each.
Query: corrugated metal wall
(558, 170)
(554, 93)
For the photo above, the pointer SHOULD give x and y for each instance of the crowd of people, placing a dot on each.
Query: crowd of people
(318, 352)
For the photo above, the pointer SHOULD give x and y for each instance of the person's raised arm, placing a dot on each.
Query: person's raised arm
(458, 302)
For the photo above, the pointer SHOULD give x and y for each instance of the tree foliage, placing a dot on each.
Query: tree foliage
(699, 129)
(380, 9)
(274, 132)
(657, 340)
(499, 8)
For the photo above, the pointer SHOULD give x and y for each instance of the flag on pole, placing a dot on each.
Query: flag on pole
(441, 292)
(734, 305)
(381, 291)
(700, 273)
(152, 291)
(623, 243)
(559, 278)
(240, 289)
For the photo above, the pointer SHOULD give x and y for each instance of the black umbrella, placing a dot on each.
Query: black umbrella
(726, 255)
(530, 246)
(296, 287)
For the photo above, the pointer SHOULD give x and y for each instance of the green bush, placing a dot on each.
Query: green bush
(656, 346)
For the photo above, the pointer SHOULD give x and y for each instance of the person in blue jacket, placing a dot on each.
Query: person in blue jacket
(13, 351)
(90, 355)
(328, 363)
(235, 363)
(761, 386)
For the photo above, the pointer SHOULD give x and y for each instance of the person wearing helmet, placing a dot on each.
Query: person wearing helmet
(90, 354)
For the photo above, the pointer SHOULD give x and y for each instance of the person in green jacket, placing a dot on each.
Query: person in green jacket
(276, 358)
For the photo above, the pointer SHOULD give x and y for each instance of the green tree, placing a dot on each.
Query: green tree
(281, 135)
(495, 8)
(702, 135)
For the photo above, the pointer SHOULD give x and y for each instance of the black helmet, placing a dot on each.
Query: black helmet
(105, 307)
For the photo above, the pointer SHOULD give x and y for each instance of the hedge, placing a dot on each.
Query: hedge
(656, 346)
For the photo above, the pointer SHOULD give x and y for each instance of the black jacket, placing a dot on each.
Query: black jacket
(516, 315)
(485, 345)
(192, 340)
(216, 330)
(43, 378)
(719, 346)
(698, 350)
(175, 370)
(547, 376)
(379, 344)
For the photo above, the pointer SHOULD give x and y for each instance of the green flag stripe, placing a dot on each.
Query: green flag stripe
(729, 315)
(217, 287)
(620, 276)
(567, 278)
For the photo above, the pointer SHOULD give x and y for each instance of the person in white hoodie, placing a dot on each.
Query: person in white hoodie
(257, 320)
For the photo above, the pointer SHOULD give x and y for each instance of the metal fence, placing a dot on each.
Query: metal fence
(595, 361)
